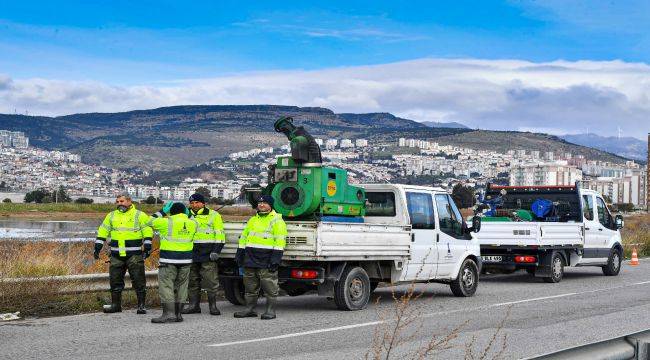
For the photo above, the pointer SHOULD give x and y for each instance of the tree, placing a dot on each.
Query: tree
(7, 200)
(37, 196)
(60, 196)
(463, 196)
(150, 200)
(84, 200)
(203, 191)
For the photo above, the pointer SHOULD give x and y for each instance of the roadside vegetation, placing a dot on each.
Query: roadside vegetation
(636, 234)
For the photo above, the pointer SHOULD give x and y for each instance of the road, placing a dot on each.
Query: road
(538, 318)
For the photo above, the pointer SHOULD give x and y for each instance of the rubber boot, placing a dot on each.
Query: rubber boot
(251, 302)
(167, 315)
(142, 296)
(116, 303)
(177, 310)
(269, 313)
(212, 303)
(194, 307)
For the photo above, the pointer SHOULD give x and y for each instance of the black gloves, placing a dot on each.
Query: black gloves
(147, 248)
(239, 257)
(214, 256)
(98, 248)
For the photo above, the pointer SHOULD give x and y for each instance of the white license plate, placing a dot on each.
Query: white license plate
(492, 258)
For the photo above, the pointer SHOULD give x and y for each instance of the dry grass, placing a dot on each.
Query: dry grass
(637, 231)
(21, 259)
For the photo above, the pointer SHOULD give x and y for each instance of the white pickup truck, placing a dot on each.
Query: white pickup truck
(580, 231)
(409, 234)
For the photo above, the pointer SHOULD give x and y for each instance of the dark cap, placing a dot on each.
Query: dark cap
(197, 197)
(177, 208)
(266, 198)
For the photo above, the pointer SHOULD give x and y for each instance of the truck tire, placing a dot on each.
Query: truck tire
(613, 266)
(352, 291)
(234, 291)
(466, 282)
(557, 268)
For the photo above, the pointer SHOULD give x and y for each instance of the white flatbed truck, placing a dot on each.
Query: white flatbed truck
(582, 232)
(409, 234)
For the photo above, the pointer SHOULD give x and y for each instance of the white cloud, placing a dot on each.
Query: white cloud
(560, 96)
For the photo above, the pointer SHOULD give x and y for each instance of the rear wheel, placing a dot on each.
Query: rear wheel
(557, 269)
(613, 266)
(234, 291)
(352, 291)
(466, 282)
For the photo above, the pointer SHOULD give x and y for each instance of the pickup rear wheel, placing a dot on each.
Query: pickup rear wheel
(613, 266)
(466, 282)
(352, 291)
(233, 290)
(557, 269)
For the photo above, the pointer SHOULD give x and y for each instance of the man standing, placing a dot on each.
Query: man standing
(127, 229)
(260, 252)
(208, 243)
(176, 236)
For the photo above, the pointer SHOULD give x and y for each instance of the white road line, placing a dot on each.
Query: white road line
(353, 326)
(366, 324)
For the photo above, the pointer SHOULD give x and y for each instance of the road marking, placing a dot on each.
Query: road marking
(353, 326)
(366, 324)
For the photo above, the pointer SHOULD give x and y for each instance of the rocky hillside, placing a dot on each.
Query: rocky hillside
(179, 136)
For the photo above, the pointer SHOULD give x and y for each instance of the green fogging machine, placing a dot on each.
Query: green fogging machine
(302, 187)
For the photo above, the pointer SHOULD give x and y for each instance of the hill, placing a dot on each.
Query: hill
(503, 141)
(453, 124)
(179, 136)
(628, 147)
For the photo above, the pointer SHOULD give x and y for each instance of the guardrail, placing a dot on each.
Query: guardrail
(630, 347)
(73, 284)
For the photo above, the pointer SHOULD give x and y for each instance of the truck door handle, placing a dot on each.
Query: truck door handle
(586, 228)
(437, 237)
(412, 237)
(600, 229)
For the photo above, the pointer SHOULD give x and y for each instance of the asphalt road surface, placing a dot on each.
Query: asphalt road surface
(537, 318)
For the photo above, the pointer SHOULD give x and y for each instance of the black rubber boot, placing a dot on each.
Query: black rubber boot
(212, 303)
(269, 313)
(116, 303)
(250, 308)
(167, 315)
(177, 310)
(194, 307)
(142, 297)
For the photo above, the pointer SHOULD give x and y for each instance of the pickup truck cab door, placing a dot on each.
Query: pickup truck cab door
(593, 208)
(452, 240)
(422, 264)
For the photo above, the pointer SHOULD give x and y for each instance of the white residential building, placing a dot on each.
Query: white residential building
(544, 175)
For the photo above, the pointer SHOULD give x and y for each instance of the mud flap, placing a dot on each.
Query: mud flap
(544, 267)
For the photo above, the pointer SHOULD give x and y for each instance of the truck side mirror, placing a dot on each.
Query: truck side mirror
(619, 222)
(476, 224)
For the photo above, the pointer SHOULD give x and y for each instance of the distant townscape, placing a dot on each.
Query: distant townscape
(403, 160)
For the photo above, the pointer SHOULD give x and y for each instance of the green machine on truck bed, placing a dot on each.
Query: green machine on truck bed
(305, 189)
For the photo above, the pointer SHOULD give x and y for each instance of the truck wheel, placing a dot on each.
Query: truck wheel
(613, 266)
(352, 291)
(557, 269)
(466, 282)
(234, 291)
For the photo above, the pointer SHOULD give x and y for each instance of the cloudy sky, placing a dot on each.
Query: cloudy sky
(553, 66)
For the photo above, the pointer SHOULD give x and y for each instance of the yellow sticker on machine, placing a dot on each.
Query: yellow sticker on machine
(331, 188)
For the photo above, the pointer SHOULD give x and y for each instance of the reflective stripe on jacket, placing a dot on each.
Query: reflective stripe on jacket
(262, 242)
(127, 231)
(176, 238)
(209, 236)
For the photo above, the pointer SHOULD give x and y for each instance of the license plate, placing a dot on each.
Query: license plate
(492, 258)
